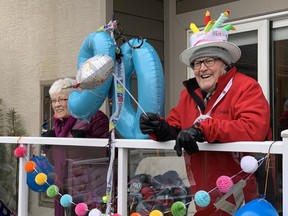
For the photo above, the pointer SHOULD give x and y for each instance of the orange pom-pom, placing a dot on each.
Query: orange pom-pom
(30, 166)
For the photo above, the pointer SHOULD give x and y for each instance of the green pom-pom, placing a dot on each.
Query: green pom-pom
(178, 209)
(52, 191)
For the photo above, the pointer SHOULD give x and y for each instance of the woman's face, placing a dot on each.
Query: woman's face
(60, 105)
(207, 71)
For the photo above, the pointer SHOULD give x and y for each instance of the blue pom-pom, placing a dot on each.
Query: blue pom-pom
(66, 200)
(202, 198)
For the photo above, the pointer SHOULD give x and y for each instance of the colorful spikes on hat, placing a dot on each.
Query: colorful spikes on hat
(212, 24)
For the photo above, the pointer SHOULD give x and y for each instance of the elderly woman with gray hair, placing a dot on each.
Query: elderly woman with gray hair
(88, 180)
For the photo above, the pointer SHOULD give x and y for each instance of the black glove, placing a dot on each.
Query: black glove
(49, 133)
(187, 139)
(151, 123)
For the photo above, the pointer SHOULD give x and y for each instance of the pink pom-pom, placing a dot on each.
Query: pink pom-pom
(20, 151)
(81, 209)
(116, 214)
(224, 183)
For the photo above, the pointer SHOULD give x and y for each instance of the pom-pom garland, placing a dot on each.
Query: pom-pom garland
(178, 209)
(66, 200)
(104, 199)
(81, 209)
(52, 191)
(156, 213)
(249, 164)
(30, 166)
(41, 178)
(202, 198)
(20, 151)
(95, 212)
(224, 183)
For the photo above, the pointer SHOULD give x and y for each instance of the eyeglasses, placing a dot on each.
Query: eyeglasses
(60, 100)
(208, 62)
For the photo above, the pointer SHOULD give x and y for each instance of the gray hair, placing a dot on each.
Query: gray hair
(57, 86)
(217, 52)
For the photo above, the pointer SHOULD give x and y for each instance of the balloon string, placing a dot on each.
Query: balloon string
(129, 94)
(267, 168)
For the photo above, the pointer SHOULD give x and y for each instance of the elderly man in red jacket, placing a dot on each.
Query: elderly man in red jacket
(218, 105)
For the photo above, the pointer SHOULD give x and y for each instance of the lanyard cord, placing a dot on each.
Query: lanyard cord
(223, 93)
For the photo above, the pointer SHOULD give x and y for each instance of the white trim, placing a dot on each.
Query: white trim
(263, 57)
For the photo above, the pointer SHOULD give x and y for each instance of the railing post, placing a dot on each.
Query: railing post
(122, 181)
(284, 135)
(23, 188)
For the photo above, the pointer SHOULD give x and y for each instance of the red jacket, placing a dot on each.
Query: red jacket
(243, 114)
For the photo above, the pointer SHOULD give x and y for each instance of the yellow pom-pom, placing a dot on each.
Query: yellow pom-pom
(104, 199)
(41, 178)
(156, 213)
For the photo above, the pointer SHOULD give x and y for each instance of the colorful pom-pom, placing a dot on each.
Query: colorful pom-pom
(66, 200)
(104, 199)
(156, 213)
(41, 178)
(178, 209)
(52, 191)
(116, 214)
(20, 151)
(81, 209)
(249, 164)
(202, 198)
(224, 183)
(135, 214)
(30, 166)
(95, 212)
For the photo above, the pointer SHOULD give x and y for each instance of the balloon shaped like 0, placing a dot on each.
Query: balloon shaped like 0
(83, 105)
(257, 207)
(150, 80)
(95, 71)
(42, 166)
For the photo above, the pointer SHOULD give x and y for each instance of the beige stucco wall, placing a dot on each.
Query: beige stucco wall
(40, 41)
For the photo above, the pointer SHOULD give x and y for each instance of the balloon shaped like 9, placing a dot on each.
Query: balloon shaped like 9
(84, 104)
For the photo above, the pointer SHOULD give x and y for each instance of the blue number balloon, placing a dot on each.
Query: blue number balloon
(146, 62)
(83, 105)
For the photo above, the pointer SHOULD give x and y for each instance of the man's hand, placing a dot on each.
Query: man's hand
(149, 123)
(187, 139)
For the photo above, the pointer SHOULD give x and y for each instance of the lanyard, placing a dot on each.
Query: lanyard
(223, 93)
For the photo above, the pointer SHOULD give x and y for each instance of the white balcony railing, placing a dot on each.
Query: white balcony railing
(123, 145)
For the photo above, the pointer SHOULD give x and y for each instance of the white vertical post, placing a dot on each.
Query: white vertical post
(122, 181)
(284, 135)
(23, 188)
